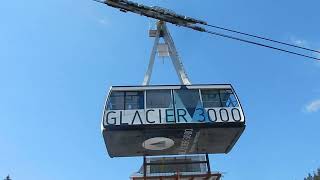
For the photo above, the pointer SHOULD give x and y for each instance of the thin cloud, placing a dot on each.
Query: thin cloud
(300, 42)
(317, 54)
(104, 22)
(306, 44)
(314, 106)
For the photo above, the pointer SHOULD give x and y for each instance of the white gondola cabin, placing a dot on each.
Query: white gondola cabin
(174, 119)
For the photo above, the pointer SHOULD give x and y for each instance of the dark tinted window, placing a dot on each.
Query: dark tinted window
(134, 100)
(211, 98)
(116, 101)
(218, 98)
(122, 100)
(185, 166)
(159, 99)
(186, 98)
(228, 99)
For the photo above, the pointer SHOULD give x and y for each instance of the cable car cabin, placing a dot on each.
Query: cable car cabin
(169, 120)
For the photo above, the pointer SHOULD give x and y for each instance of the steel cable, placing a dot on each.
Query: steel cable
(263, 38)
(260, 44)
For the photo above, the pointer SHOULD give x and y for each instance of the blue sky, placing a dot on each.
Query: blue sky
(59, 58)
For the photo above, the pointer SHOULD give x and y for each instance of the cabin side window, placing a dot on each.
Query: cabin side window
(116, 101)
(159, 99)
(134, 100)
(218, 98)
(126, 100)
(211, 98)
(188, 99)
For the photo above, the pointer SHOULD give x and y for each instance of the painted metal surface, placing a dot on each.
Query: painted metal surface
(182, 120)
(178, 139)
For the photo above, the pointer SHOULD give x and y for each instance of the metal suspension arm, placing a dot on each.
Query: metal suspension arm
(175, 57)
(148, 74)
(162, 31)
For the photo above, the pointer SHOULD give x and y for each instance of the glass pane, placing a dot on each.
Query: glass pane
(224, 95)
(159, 99)
(228, 99)
(116, 101)
(185, 166)
(211, 98)
(218, 98)
(233, 101)
(188, 99)
(134, 100)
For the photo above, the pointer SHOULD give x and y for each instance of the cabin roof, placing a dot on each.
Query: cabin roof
(158, 87)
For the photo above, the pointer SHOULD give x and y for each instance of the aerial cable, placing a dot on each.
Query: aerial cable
(260, 44)
(198, 28)
(166, 15)
(263, 38)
